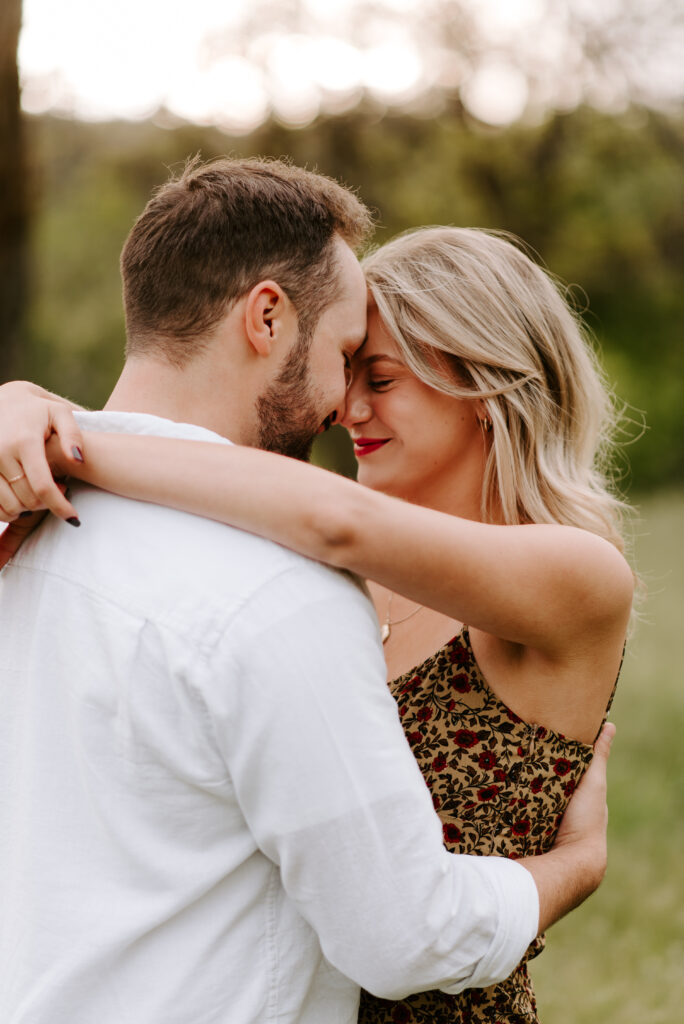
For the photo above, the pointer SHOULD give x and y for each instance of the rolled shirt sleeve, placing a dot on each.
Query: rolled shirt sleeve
(332, 794)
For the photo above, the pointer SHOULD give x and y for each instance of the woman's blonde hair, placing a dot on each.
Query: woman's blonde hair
(475, 317)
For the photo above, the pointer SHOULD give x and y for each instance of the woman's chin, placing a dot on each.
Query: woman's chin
(370, 478)
(378, 480)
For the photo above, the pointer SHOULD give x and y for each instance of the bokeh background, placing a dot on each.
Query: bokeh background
(559, 120)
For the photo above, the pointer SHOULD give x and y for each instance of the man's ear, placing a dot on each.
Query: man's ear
(265, 311)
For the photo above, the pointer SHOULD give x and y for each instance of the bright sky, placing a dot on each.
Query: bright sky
(101, 59)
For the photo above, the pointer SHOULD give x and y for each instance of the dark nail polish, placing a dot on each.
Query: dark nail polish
(77, 453)
(25, 515)
(73, 521)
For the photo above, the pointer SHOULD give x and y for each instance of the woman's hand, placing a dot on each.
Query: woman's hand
(29, 417)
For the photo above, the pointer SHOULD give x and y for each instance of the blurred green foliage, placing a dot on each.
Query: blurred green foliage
(617, 960)
(600, 198)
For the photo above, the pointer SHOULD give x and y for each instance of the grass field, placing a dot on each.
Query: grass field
(619, 959)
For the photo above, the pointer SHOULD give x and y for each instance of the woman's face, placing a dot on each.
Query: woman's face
(410, 440)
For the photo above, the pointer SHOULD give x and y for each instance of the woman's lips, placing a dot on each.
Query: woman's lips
(368, 445)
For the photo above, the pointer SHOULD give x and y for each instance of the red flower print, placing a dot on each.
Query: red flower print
(493, 779)
(452, 833)
(487, 759)
(465, 738)
(461, 683)
(459, 655)
(521, 827)
(412, 685)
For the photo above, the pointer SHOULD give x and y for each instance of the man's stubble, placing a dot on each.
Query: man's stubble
(288, 414)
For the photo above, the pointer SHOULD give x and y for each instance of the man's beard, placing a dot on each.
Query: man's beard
(288, 417)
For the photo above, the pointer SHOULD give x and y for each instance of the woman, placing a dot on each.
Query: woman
(500, 588)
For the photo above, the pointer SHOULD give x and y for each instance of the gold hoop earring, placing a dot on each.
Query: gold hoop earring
(487, 424)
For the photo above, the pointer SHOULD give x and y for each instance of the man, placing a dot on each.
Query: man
(209, 811)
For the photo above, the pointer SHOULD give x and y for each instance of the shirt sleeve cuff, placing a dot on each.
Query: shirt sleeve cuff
(517, 900)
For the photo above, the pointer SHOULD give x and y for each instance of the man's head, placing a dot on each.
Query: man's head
(205, 242)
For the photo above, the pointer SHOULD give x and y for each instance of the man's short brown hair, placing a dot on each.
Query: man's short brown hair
(208, 236)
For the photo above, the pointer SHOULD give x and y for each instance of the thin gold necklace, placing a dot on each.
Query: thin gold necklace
(386, 628)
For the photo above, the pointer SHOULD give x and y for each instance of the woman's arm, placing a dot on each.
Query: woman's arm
(540, 586)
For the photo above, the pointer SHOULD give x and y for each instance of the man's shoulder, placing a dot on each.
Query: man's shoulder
(170, 566)
(225, 554)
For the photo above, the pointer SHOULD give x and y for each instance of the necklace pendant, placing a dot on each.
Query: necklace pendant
(385, 631)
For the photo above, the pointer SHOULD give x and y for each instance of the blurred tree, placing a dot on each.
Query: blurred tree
(599, 197)
(13, 195)
(556, 54)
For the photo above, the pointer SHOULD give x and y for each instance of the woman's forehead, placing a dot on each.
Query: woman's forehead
(379, 338)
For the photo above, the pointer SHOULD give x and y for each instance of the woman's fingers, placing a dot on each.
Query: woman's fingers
(32, 486)
(23, 493)
(66, 428)
(44, 490)
(10, 505)
(27, 422)
(32, 463)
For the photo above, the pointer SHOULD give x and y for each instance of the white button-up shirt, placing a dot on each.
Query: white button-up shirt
(209, 813)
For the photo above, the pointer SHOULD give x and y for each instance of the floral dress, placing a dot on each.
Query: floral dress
(500, 786)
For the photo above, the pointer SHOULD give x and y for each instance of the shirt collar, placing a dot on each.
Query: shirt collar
(143, 423)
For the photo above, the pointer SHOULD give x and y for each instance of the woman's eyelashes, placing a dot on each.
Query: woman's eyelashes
(380, 383)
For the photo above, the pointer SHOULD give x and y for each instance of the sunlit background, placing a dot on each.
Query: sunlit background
(233, 63)
(561, 121)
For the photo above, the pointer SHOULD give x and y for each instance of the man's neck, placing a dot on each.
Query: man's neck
(190, 395)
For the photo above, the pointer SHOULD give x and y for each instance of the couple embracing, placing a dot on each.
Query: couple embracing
(214, 809)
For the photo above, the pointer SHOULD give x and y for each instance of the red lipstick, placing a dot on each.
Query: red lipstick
(368, 445)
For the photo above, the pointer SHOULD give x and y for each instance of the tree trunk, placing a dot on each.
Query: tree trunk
(13, 197)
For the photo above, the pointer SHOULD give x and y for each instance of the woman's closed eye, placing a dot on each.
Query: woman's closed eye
(380, 383)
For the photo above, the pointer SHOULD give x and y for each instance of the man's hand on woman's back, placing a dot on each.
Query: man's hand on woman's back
(576, 864)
